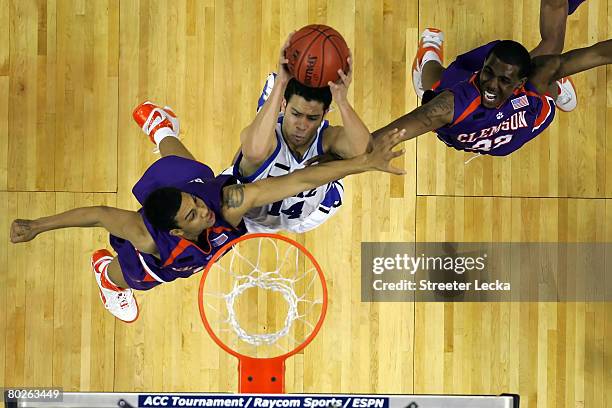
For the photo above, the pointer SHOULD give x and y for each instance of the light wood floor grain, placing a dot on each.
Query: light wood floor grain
(71, 72)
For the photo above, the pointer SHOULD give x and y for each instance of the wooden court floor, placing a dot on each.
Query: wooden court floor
(72, 70)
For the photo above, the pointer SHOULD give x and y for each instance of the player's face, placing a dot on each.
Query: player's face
(193, 216)
(302, 118)
(497, 81)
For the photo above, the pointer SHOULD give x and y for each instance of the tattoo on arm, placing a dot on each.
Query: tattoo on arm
(233, 196)
(439, 107)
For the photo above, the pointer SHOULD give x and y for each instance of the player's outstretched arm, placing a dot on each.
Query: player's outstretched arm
(549, 68)
(258, 139)
(239, 198)
(353, 138)
(433, 115)
(121, 223)
(553, 19)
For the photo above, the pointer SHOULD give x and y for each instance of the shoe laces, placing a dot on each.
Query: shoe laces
(430, 40)
(124, 298)
(563, 98)
(564, 95)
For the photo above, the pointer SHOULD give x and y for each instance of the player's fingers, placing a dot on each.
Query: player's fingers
(404, 136)
(343, 78)
(14, 232)
(389, 133)
(22, 224)
(393, 138)
(386, 139)
(288, 40)
(395, 170)
(286, 43)
(398, 137)
(398, 153)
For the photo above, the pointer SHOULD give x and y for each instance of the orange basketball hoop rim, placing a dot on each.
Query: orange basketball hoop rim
(262, 375)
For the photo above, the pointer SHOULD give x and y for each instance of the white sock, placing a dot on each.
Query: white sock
(163, 133)
(105, 272)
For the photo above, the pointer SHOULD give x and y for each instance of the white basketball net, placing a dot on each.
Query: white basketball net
(282, 277)
(267, 282)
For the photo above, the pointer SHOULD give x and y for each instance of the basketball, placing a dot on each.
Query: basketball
(316, 53)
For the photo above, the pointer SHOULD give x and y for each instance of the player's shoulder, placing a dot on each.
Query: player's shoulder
(331, 131)
(140, 236)
(329, 136)
(439, 107)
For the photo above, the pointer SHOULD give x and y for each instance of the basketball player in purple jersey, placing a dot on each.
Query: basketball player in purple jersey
(494, 99)
(187, 214)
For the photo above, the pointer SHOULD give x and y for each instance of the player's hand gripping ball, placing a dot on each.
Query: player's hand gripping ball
(315, 54)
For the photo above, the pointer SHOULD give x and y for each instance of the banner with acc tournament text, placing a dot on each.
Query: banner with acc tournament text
(486, 272)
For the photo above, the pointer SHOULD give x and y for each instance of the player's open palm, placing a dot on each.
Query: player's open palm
(381, 153)
(22, 231)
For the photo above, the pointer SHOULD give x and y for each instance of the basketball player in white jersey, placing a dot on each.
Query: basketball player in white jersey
(289, 131)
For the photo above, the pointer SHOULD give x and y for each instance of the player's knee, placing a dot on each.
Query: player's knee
(115, 274)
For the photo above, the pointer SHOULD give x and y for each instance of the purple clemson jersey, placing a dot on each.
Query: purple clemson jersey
(179, 258)
(573, 5)
(496, 132)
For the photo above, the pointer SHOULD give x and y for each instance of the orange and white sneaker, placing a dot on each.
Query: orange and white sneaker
(155, 121)
(120, 302)
(567, 98)
(431, 48)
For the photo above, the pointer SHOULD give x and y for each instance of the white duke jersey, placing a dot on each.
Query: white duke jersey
(303, 211)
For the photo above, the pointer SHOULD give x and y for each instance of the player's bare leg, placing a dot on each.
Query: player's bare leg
(116, 275)
(431, 73)
(553, 20)
(427, 67)
(553, 90)
(172, 146)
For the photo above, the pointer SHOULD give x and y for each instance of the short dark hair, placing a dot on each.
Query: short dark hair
(322, 95)
(161, 207)
(513, 53)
